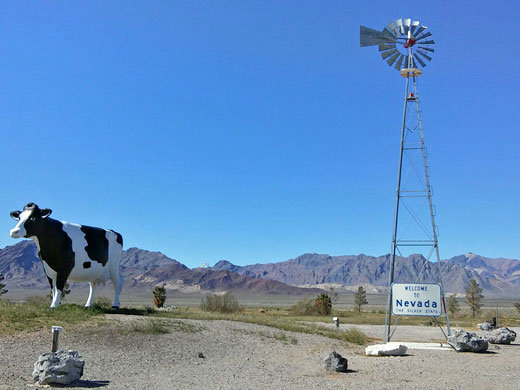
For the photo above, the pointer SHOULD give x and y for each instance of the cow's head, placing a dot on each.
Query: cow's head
(30, 221)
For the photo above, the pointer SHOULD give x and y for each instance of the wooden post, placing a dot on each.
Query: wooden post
(55, 330)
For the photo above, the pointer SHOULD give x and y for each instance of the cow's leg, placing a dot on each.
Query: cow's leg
(90, 300)
(117, 281)
(59, 285)
(54, 293)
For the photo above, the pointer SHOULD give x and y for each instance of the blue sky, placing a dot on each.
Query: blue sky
(255, 131)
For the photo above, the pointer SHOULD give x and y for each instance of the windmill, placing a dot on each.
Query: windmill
(407, 46)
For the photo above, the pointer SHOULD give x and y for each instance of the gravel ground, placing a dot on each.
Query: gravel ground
(248, 356)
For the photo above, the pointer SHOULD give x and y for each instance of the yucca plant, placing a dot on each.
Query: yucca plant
(159, 296)
(323, 303)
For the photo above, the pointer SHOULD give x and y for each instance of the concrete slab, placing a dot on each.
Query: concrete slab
(388, 349)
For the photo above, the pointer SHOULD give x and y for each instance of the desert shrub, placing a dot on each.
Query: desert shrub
(517, 306)
(159, 296)
(324, 304)
(103, 303)
(306, 307)
(225, 303)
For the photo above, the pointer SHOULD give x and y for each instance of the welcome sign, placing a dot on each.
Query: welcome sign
(412, 299)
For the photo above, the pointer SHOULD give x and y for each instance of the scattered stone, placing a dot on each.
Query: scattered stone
(500, 336)
(388, 349)
(62, 367)
(335, 362)
(464, 341)
(201, 355)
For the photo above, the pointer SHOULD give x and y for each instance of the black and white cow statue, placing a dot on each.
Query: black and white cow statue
(71, 252)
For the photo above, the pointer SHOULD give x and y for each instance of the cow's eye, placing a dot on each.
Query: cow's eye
(33, 218)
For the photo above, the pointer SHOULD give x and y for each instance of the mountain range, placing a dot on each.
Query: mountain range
(21, 268)
(499, 277)
(307, 274)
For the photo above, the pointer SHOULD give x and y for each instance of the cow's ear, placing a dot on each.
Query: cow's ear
(15, 215)
(45, 213)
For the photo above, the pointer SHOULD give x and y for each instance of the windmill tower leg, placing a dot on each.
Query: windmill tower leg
(432, 212)
(388, 320)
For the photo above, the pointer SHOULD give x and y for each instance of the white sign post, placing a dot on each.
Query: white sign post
(416, 299)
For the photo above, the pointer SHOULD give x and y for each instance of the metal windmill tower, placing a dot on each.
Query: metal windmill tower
(406, 45)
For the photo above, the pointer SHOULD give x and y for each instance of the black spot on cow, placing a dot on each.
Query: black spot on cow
(87, 264)
(119, 238)
(55, 249)
(97, 244)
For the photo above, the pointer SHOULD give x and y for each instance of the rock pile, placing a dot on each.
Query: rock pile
(464, 341)
(62, 367)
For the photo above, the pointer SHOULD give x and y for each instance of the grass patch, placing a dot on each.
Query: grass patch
(280, 336)
(156, 326)
(150, 327)
(36, 314)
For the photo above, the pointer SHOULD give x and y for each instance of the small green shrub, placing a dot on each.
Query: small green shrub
(225, 303)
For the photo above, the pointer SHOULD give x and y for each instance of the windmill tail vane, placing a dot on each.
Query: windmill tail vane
(403, 43)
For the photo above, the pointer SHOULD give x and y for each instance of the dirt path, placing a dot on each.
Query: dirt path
(245, 356)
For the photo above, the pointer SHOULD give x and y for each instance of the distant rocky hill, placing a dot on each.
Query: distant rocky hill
(498, 277)
(22, 269)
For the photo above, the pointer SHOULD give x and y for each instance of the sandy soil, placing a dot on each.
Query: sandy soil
(247, 356)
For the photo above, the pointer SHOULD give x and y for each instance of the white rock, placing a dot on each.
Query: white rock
(388, 349)
(62, 367)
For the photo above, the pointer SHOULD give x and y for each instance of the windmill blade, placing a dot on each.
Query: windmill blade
(427, 49)
(386, 46)
(406, 24)
(428, 43)
(388, 53)
(392, 59)
(391, 27)
(399, 62)
(420, 30)
(425, 35)
(371, 37)
(415, 24)
(424, 55)
(399, 25)
(423, 64)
